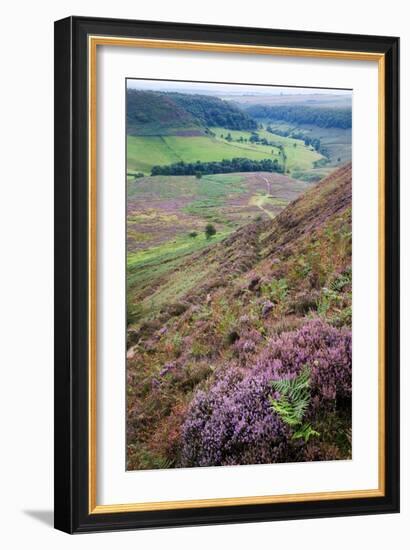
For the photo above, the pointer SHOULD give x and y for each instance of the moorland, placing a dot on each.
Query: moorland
(238, 279)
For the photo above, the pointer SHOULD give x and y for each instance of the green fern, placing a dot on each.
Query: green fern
(293, 403)
(305, 432)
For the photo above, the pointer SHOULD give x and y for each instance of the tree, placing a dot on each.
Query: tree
(198, 175)
(209, 230)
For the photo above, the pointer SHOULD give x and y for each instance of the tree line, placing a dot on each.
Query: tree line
(223, 167)
(307, 140)
(301, 114)
(213, 111)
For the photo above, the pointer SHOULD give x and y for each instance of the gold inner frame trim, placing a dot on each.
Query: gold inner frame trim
(93, 42)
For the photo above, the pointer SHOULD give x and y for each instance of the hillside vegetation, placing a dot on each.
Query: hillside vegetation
(145, 152)
(303, 114)
(167, 216)
(214, 111)
(166, 128)
(158, 113)
(220, 336)
(321, 126)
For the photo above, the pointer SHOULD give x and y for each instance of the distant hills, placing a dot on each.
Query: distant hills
(314, 99)
(323, 117)
(160, 114)
(153, 113)
(303, 133)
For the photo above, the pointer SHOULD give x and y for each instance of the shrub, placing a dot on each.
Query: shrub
(233, 422)
(210, 230)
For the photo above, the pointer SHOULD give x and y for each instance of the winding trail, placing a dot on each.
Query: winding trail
(260, 200)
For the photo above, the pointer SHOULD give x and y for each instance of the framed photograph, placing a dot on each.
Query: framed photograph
(226, 274)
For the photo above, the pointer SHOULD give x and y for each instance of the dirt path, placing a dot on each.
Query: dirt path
(258, 201)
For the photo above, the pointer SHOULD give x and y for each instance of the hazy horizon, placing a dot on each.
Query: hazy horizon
(207, 88)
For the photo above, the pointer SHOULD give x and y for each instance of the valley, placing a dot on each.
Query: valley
(225, 267)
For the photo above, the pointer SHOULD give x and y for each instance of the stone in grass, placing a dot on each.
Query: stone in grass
(131, 353)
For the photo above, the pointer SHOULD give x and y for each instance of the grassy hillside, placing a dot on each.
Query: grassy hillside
(337, 141)
(167, 216)
(159, 114)
(298, 156)
(214, 111)
(144, 152)
(166, 128)
(325, 121)
(230, 317)
(154, 114)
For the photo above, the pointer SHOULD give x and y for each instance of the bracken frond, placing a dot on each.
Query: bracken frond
(293, 403)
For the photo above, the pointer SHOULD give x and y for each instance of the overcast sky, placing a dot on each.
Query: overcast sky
(226, 89)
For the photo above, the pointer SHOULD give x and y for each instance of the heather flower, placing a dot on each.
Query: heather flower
(233, 422)
(248, 346)
(247, 343)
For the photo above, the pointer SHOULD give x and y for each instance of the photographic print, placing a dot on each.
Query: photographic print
(210, 242)
(239, 274)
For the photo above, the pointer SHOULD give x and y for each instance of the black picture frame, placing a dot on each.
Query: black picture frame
(72, 277)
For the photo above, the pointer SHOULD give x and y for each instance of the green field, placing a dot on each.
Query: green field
(144, 152)
(338, 141)
(298, 156)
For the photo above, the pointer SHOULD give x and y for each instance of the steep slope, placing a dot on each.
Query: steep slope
(154, 114)
(265, 279)
(213, 111)
(164, 114)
